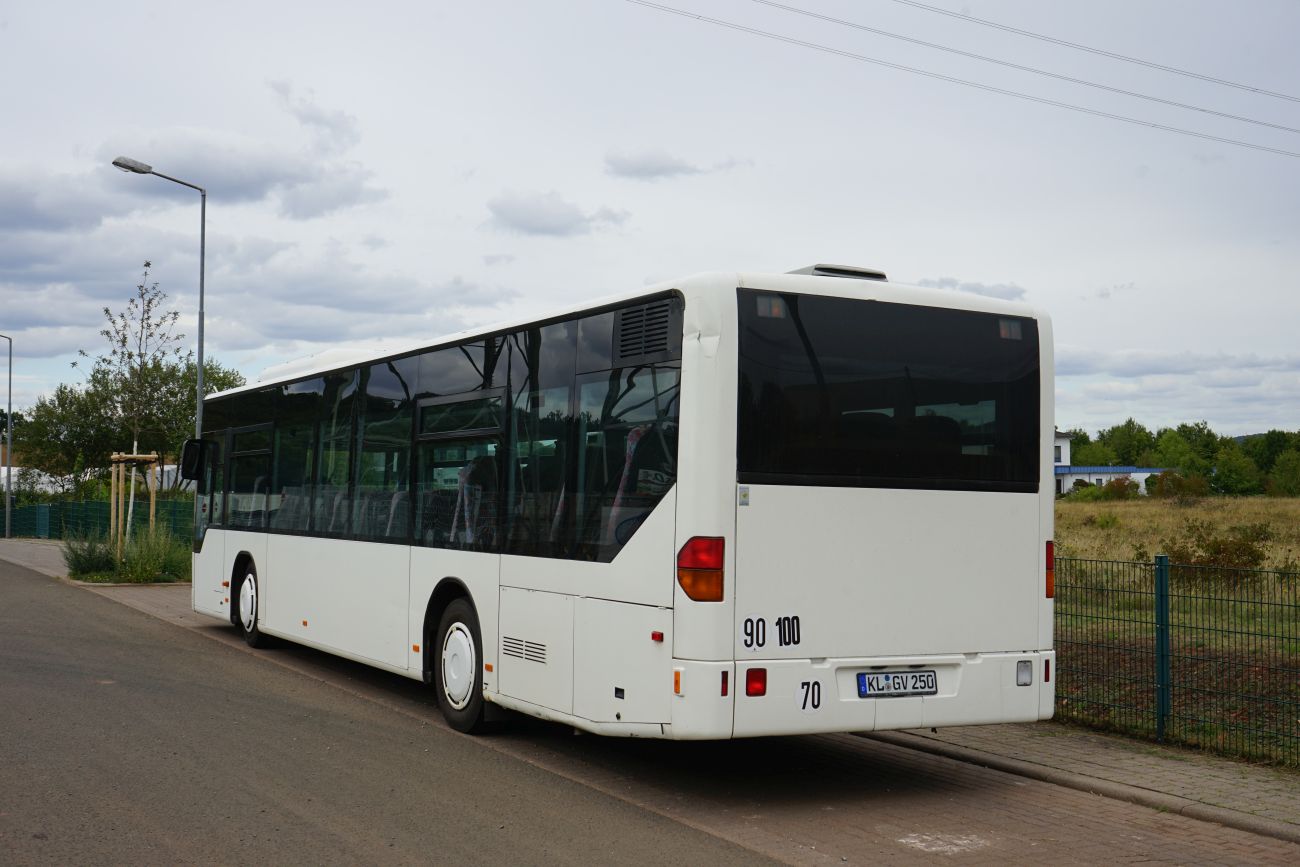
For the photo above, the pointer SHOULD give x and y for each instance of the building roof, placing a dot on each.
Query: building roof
(1067, 470)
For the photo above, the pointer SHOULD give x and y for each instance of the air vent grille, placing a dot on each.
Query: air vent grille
(530, 651)
(644, 330)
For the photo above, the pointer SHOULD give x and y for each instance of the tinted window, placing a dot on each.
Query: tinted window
(453, 370)
(596, 342)
(382, 507)
(457, 491)
(627, 453)
(542, 365)
(333, 495)
(445, 417)
(846, 392)
(298, 408)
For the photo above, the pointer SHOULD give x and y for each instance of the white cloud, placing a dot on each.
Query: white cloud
(548, 214)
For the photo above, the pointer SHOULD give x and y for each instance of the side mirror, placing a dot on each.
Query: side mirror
(193, 459)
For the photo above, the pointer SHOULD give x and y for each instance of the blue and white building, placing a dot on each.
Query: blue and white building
(1067, 474)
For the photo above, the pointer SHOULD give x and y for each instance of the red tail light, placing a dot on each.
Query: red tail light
(1051, 569)
(755, 681)
(699, 568)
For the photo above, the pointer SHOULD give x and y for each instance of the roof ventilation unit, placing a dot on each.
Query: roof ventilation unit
(842, 271)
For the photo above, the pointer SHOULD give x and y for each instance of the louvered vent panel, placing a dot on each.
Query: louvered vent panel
(644, 330)
(531, 651)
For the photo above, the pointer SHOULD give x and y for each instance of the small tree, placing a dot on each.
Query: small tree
(1284, 481)
(142, 346)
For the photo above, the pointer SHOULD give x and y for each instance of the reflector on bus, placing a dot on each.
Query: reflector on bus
(1051, 569)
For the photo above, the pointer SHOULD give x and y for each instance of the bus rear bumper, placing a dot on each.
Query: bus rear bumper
(805, 696)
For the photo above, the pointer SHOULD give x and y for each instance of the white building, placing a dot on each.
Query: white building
(1067, 474)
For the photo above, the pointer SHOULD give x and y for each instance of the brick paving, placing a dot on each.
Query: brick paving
(843, 798)
(1265, 792)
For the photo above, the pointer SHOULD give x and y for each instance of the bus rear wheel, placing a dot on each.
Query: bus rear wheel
(458, 670)
(247, 601)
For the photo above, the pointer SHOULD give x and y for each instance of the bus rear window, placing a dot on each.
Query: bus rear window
(838, 391)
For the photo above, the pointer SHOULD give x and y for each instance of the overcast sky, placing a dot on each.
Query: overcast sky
(388, 172)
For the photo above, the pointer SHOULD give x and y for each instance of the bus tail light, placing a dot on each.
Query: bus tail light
(1051, 569)
(755, 681)
(699, 568)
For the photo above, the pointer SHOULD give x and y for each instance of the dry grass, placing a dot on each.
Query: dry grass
(1134, 529)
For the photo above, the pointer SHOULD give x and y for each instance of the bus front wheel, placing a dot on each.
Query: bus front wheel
(247, 601)
(458, 672)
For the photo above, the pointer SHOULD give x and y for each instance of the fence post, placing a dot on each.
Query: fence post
(1163, 703)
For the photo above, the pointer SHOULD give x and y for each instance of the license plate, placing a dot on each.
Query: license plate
(881, 684)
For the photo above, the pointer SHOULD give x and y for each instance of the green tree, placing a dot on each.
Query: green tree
(1078, 437)
(1173, 452)
(1284, 481)
(1094, 455)
(1204, 441)
(1128, 440)
(69, 435)
(1265, 448)
(1235, 472)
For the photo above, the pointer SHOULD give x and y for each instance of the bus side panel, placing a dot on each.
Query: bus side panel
(1047, 482)
(346, 595)
(622, 672)
(479, 573)
(537, 648)
(706, 471)
(208, 596)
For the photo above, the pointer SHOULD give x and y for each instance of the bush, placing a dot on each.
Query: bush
(88, 554)
(1103, 520)
(1086, 493)
(1122, 488)
(153, 556)
(1170, 484)
(1241, 546)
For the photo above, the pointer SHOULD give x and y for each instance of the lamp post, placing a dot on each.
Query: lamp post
(9, 441)
(127, 164)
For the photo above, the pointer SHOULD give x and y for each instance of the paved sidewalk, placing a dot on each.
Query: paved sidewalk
(1253, 798)
(39, 555)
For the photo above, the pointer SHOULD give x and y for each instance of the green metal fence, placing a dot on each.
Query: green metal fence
(1203, 656)
(59, 520)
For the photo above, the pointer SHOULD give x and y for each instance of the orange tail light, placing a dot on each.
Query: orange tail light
(699, 568)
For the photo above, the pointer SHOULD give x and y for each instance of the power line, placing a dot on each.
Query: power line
(986, 87)
(1111, 54)
(1022, 68)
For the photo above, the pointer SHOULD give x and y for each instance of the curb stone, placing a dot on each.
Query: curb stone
(1106, 788)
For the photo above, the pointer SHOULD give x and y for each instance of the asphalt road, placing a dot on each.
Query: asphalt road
(126, 738)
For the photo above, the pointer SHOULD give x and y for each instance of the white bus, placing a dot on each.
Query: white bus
(726, 506)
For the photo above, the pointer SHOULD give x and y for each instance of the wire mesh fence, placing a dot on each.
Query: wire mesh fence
(1203, 656)
(60, 520)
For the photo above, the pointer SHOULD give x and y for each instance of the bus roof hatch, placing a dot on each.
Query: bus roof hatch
(851, 271)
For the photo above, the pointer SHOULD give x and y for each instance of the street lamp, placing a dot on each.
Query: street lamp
(9, 440)
(127, 164)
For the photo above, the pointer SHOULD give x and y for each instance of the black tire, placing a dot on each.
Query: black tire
(247, 608)
(458, 667)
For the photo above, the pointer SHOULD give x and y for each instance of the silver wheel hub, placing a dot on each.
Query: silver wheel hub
(458, 666)
(248, 602)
